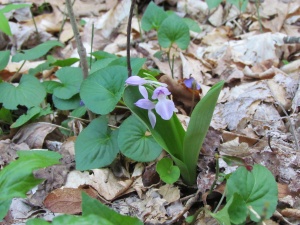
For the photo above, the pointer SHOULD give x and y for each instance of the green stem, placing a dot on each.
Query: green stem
(258, 15)
(171, 65)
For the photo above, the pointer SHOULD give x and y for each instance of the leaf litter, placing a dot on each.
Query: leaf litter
(257, 115)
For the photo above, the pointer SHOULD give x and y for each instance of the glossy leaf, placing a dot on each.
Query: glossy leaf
(17, 179)
(174, 30)
(197, 129)
(29, 93)
(137, 144)
(4, 58)
(257, 188)
(153, 17)
(96, 146)
(167, 172)
(67, 104)
(36, 52)
(71, 79)
(102, 90)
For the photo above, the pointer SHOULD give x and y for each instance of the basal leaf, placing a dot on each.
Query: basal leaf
(67, 104)
(102, 90)
(65, 62)
(137, 144)
(257, 188)
(91, 206)
(29, 93)
(174, 30)
(31, 113)
(240, 4)
(36, 52)
(40, 68)
(99, 55)
(50, 85)
(71, 79)
(198, 127)
(100, 64)
(17, 179)
(96, 146)
(4, 58)
(153, 17)
(167, 172)
(6, 116)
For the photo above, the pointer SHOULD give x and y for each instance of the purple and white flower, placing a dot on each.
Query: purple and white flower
(163, 106)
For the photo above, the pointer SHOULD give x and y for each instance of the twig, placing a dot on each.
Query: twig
(187, 207)
(80, 49)
(128, 37)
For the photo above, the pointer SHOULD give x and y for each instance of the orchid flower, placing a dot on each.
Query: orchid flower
(164, 106)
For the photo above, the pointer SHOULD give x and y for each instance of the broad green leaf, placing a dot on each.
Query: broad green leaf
(38, 221)
(167, 172)
(197, 129)
(71, 79)
(223, 216)
(213, 3)
(50, 85)
(257, 188)
(192, 24)
(136, 63)
(153, 17)
(40, 68)
(5, 116)
(11, 7)
(72, 220)
(96, 146)
(36, 52)
(99, 55)
(65, 62)
(237, 209)
(17, 179)
(31, 113)
(91, 206)
(4, 25)
(240, 4)
(102, 90)
(100, 64)
(174, 30)
(4, 58)
(4, 207)
(79, 112)
(135, 143)
(29, 93)
(67, 104)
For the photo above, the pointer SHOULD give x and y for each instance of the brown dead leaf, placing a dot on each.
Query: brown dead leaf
(8, 151)
(235, 148)
(169, 192)
(67, 200)
(34, 134)
(102, 180)
(291, 213)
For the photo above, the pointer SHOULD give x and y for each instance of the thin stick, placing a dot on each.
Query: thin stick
(81, 50)
(128, 37)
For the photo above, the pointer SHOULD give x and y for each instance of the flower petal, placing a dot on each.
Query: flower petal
(165, 108)
(135, 80)
(152, 118)
(145, 104)
(192, 83)
(160, 93)
(143, 91)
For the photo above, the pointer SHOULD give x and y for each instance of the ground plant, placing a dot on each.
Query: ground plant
(151, 127)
